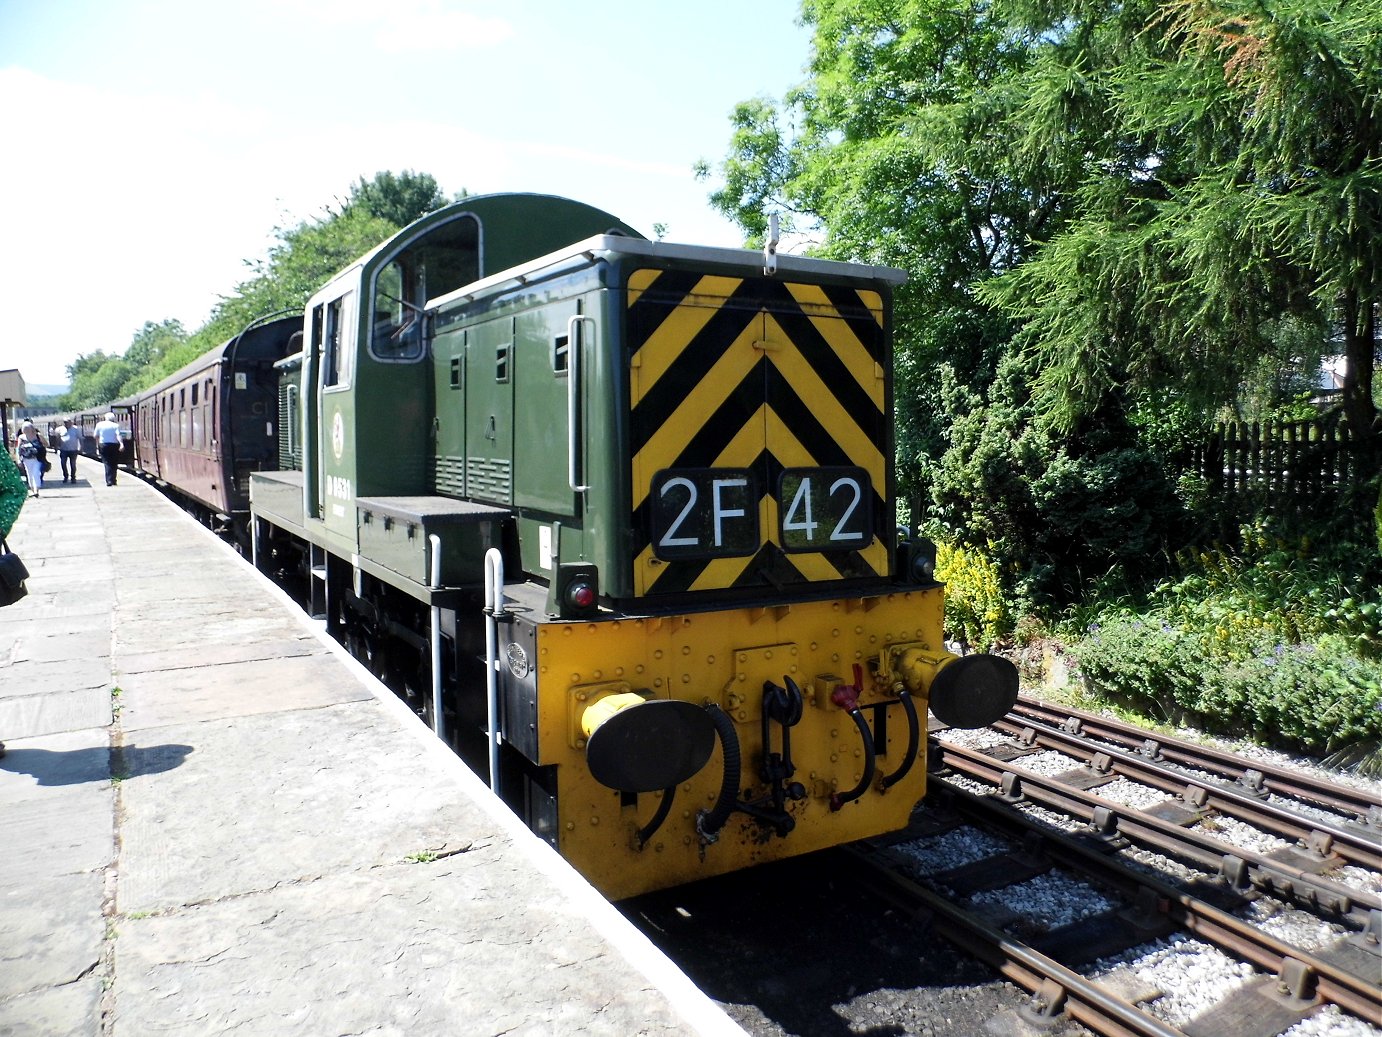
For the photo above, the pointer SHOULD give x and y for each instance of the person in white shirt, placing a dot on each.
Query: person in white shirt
(69, 445)
(108, 442)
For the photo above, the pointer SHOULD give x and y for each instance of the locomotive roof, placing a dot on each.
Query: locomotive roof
(505, 216)
(603, 246)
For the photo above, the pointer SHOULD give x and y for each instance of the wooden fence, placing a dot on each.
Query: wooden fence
(1281, 464)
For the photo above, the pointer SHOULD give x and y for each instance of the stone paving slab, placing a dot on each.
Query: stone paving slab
(235, 689)
(25, 709)
(73, 1008)
(48, 642)
(55, 947)
(190, 971)
(333, 806)
(237, 832)
(217, 654)
(53, 827)
(44, 605)
(140, 636)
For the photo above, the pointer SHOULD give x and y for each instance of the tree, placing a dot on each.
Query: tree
(889, 154)
(97, 379)
(1236, 190)
(398, 198)
(1170, 206)
(152, 341)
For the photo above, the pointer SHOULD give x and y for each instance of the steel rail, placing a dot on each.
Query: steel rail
(1241, 867)
(1053, 985)
(1354, 994)
(1280, 780)
(1319, 835)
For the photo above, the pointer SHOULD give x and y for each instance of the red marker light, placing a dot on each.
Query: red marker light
(580, 595)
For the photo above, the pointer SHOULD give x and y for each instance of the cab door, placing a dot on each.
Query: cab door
(542, 442)
(330, 489)
(489, 378)
(449, 410)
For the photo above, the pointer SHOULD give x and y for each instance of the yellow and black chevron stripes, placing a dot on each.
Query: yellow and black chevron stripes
(763, 375)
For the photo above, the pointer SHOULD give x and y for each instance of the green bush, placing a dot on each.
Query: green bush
(977, 611)
(1058, 514)
(1377, 518)
(1280, 639)
(1318, 695)
(1290, 591)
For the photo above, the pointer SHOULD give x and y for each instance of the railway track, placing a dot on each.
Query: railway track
(1298, 874)
(1293, 981)
(1075, 913)
(1364, 806)
(1353, 836)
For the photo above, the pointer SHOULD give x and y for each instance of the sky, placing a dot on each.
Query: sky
(151, 147)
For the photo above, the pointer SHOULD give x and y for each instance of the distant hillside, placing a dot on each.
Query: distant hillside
(44, 390)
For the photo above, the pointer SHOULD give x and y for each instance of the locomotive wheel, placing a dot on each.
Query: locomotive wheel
(420, 704)
(417, 690)
(374, 658)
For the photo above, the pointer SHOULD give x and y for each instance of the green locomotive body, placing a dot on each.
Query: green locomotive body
(616, 517)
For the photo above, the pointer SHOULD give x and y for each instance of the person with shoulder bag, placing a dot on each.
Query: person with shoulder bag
(33, 455)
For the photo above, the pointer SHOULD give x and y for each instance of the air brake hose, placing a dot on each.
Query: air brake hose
(913, 739)
(709, 822)
(646, 832)
(846, 696)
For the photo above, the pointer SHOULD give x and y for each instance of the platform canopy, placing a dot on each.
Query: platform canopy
(11, 395)
(12, 387)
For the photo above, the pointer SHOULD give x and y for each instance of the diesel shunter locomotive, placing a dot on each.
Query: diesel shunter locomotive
(616, 517)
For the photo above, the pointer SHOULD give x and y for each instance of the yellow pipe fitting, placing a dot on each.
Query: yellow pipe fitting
(605, 707)
(916, 666)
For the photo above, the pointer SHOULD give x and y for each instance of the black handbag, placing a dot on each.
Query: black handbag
(12, 575)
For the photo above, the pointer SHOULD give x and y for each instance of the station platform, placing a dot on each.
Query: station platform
(213, 821)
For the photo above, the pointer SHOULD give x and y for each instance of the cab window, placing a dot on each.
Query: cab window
(330, 338)
(445, 259)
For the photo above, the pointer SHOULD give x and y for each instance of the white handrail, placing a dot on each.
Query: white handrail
(573, 446)
(494, 608)
(438, 720)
